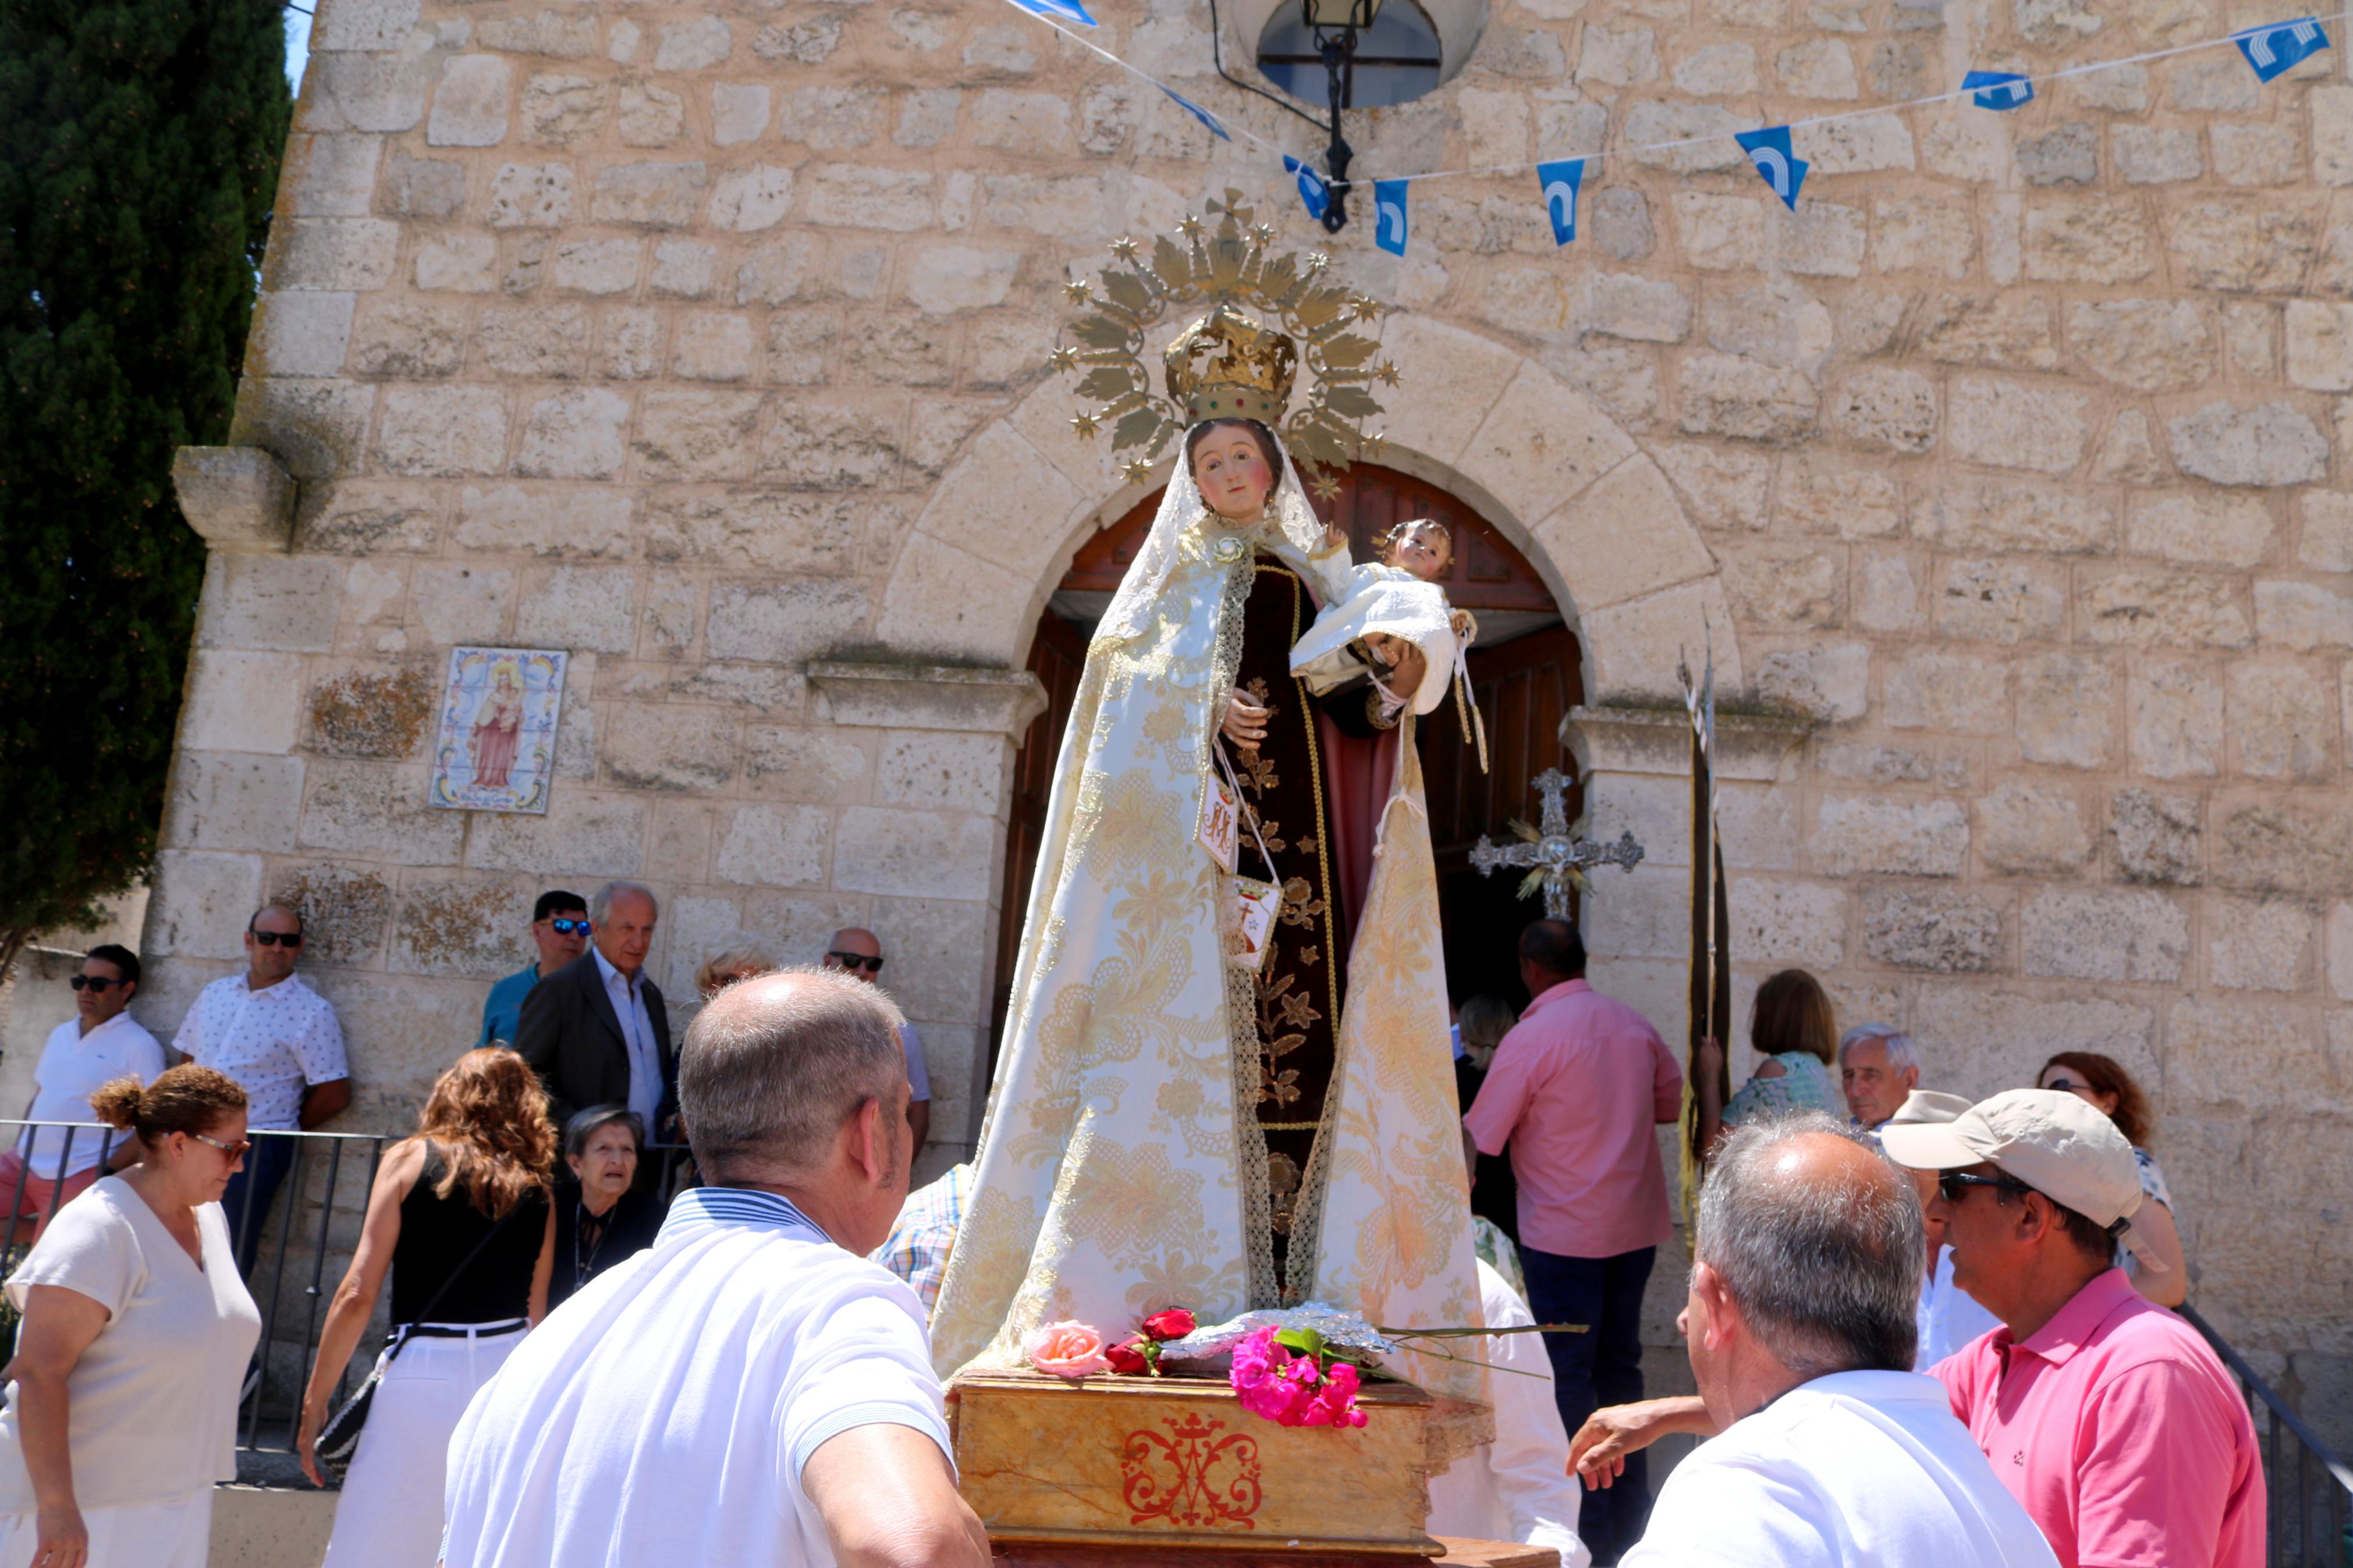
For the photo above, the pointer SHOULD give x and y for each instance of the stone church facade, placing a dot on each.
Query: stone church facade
(2006, 478)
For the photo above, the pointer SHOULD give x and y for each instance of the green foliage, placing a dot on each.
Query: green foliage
(139, 147)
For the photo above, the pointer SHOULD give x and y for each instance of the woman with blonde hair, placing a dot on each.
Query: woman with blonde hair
(461, 1217)
(1793, 1027)
(121, 1404)
(719, 972)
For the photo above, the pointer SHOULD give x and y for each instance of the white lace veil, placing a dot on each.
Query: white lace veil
(1288, 516)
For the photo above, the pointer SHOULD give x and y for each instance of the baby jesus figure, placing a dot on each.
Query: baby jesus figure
(1394, 633)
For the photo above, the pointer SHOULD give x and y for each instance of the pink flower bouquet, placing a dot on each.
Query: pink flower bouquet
(1301, 1389)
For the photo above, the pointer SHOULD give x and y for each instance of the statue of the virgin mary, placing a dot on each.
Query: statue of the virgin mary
(1200, 1100)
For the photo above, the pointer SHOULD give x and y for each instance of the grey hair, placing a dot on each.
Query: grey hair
(601, 903)
(768, 1074)
(1903, 1051)
(1827, 1274)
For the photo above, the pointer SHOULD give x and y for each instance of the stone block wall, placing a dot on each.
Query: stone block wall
(705, 340)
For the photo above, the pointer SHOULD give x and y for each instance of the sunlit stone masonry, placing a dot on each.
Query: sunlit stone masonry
(2008, 478)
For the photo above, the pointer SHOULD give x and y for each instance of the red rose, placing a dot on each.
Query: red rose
(1126, 1359)
(1173, 1324)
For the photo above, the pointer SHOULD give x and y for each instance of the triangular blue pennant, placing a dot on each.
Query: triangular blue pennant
(2278, 46)
(1064, 10)
(1776, 164)
(1197, 112)
(1559, 181)
(1998, 89)
(1389, 215)
(1313, 192)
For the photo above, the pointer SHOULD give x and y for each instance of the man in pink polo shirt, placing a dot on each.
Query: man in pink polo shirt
(1574, 1090)
(2107, 1415)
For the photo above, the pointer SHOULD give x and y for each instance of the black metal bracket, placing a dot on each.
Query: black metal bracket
(1338, 152)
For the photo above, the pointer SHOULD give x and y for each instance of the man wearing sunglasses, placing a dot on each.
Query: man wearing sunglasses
(280, 1042)
(856, 950)
(51, 1165)
(2105, 1415)
(560, 929)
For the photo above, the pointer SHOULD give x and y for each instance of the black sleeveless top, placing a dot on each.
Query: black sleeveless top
(436, 1236)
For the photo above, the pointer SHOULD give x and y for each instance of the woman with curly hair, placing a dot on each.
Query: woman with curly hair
(121, 1400)
(2151, 1251)
(461, 1217)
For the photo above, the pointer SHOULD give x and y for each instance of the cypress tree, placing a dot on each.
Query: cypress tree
(139, 149)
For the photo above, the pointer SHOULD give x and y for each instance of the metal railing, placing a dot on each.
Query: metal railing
(300, 1255)
(2310, 1488)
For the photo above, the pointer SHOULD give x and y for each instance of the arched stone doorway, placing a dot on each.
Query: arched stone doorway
(1526, 673)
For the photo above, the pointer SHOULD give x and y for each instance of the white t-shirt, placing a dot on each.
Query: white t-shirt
(1516, 1488)
(663, 1414)
(153, 1401)
(74, 1065)
(1856, 1467)
(274, 1043)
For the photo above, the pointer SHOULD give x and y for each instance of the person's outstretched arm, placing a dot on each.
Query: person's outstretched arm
(888, 1500)
(1597, 1454)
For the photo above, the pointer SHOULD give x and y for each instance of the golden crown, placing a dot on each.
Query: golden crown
(1268, 314)
(1227, 365)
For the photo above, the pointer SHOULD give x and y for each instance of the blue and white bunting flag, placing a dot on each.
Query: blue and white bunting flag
(1559, 181)
(2277, 45)
(1063, 10)
(1998, 89)
(1197, 112)
(1313, 193)
(1777, 166)
(1389, 215)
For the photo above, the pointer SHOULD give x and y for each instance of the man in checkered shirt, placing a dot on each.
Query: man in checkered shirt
(917, 1251)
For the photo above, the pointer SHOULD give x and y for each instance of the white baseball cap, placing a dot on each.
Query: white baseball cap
(1923, 1105)
(2061, 1146)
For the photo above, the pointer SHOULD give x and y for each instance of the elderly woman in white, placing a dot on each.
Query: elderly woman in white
(121, 1404)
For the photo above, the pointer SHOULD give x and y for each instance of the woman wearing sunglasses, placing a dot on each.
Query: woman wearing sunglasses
(122, 1410)
(2153, 1258)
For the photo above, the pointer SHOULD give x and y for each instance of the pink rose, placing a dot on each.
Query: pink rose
(1173, 1324)
(1067, 1349)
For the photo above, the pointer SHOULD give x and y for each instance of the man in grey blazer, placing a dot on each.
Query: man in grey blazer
(596, 1031)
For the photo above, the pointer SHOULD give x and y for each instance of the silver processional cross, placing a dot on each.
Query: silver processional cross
(1552, 857)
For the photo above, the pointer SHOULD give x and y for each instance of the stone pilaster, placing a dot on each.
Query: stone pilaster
(927, 848)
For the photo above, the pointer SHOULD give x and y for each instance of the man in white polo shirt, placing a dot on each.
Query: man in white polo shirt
(1799, 1328)
(751, 1389)
(280, 1042)
(51, 1165)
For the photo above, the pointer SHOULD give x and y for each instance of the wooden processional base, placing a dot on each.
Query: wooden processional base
(1133, 1472)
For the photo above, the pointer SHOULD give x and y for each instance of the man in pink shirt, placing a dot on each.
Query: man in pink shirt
(2105, 1415)
(1574, 1090)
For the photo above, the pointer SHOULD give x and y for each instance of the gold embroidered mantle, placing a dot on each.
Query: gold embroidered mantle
(1108, 1181)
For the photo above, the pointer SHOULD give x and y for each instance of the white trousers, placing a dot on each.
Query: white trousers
(390, 1512)
(174, 1534)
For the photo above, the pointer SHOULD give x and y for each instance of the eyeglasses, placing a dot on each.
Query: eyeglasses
(2067, 1086)
(565, 925)
(92, 982)
(236, 1151)
(272, 938)
(1953, 1185)
(856, 961)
